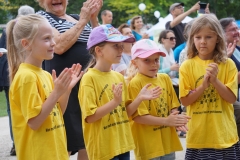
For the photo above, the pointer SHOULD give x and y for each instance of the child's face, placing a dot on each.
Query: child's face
(205, 41)
(148, 66)
(111, 53)
(42, 47)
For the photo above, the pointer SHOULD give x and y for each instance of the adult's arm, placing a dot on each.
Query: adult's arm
(179, 18)
(94, 17)
(65, 40)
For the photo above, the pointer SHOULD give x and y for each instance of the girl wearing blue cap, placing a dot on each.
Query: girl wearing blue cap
(104, 98)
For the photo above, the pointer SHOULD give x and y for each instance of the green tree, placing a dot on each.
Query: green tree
(124, 10)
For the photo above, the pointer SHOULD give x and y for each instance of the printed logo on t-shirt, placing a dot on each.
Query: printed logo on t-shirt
(160, 104)
(118, 115)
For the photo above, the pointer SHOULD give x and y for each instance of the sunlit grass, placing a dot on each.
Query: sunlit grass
(3, 104)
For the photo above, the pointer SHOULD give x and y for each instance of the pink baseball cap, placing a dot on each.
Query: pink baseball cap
(145, 48)
(107, 33)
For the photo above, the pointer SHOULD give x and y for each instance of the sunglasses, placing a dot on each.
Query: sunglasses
(171, 38)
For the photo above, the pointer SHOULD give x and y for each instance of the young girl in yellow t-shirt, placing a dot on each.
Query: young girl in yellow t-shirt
(208, 87)
(37, 99)
(104, 98)
(155, 120)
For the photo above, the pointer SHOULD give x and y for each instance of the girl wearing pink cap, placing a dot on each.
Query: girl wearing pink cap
(155, 120)
(104, 98)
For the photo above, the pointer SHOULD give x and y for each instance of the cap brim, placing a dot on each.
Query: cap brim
(122, 39)
(151, 52)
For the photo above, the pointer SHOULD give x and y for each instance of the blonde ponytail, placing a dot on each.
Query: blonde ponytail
(24, 27)
(131, 72)
(14, 59)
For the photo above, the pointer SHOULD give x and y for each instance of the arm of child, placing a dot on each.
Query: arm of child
(61, 84)
(196, 93)
(174, 119)
(144, 94)
(108, 107)
(222, 90)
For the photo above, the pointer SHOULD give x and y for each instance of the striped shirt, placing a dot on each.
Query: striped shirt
(62, 25)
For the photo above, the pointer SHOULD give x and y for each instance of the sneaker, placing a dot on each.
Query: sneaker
(13, 151)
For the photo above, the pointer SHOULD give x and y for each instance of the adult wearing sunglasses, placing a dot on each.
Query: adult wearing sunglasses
(168, 64)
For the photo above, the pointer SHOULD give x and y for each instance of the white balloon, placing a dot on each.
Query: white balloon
(141, 6)
(160, 19)
(157, 14)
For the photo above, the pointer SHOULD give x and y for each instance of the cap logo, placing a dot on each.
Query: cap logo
(111, 32)
(149, 43)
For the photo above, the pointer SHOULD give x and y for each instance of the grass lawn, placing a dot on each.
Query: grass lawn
(3, 104)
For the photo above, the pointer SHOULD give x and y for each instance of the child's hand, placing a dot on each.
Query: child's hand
(117, 92)
(62, 82)
(76, 75)
(175, 119)
(68, 77)
(183, 128)
(212, 71)
(206, 81)
(149, 94)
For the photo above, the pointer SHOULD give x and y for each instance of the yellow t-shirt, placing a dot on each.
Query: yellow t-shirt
(151, 140)
(30, 88)
(111, 135)
(212, 123)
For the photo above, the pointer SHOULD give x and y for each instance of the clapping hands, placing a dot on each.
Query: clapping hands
(67, 79)
(211, 74)
(149, 94)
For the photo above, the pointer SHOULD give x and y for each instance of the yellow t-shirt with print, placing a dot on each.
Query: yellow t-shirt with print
(212, 123)
(111, 135)
(152, 140)
(31, 86)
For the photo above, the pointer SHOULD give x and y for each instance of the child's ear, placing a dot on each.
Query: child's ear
(98, 51)
(133, 62)
(25, 44)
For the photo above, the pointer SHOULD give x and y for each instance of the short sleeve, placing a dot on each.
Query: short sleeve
(232, 78)
(28, 96)
(89, 104)
(167, 25)
(143, 107)
(184, 81)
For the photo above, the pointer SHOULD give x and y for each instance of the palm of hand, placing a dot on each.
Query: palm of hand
(149, 94)
(74, 81)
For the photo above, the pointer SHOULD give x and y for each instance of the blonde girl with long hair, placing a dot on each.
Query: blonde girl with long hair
(37, 99)
(208, 88)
